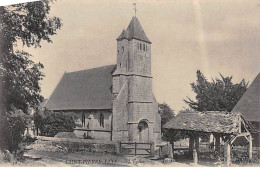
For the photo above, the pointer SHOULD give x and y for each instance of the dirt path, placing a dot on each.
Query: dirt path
(94, 160)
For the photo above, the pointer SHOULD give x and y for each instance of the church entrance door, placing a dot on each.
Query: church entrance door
(143, 132)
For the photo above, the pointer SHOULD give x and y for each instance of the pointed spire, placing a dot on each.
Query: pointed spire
(134, 31)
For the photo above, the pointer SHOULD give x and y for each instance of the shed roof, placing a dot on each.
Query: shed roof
(211, 121)
(134, 30)
(249, 104)
(86, 89)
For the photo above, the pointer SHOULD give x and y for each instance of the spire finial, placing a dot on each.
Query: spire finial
(135, 8)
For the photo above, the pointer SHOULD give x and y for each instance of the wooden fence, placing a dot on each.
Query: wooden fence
(136, 148)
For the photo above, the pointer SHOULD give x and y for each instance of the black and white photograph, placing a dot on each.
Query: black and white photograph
(130, 83)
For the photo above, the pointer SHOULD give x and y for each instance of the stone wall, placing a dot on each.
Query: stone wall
(99, 135)
(74, 145)
(120, 114)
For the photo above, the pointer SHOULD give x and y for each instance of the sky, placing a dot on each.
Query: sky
(214, 36)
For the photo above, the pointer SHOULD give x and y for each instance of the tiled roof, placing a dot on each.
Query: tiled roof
(134, 31)
(86, 89)
(213, 121)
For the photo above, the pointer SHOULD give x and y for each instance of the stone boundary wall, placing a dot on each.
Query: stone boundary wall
(75, 145)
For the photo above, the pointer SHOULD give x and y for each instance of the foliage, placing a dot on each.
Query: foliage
(50, 123)
(166, 115)
(218, 95)
(27, 24)
(13, 126)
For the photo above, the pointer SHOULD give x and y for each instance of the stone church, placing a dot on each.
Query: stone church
(113, 102)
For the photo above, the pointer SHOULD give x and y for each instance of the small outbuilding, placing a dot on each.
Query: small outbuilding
(225, 125)
(249, 106)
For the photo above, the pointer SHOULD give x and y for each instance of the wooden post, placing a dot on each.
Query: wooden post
(195, 156)
(172, 147)
(250, 149)
(191, 144)
(152, 149)
(197, 143)
(118, 147)
(196, 150)
(135, 148)
(217, 144)
(169, 146)
(228, 153)
(173, 133)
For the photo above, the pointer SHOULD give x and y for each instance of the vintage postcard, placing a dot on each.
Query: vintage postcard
(133, 83)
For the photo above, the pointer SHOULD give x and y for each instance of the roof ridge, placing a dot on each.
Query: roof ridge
(90, 68)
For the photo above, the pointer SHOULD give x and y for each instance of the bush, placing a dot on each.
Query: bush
(50, 123)
(12, 130)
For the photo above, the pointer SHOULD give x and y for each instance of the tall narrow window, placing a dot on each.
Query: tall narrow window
(101, 120)
(140, 46)
(143, 47)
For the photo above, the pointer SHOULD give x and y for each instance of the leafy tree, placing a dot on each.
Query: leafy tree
(54, 122)
(28, 24)
(218, 95)
(166, 115)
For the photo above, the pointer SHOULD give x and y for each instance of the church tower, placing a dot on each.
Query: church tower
(135, 110)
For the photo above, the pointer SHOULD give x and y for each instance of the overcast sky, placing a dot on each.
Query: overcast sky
(214, 36)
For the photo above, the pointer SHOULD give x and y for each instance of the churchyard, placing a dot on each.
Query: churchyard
(45, 153)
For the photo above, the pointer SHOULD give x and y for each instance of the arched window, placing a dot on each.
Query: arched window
(144, 47)
(101, 120)
(140, 46)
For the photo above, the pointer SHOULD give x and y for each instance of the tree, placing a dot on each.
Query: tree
(30, 24)
(218, 95)
(166, 115)
(54, 122)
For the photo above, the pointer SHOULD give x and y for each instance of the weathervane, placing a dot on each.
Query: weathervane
(135, 8)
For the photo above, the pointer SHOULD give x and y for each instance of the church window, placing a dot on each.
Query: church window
(101, 120)
(83, 119)
(123, 49)
(140, 46)
(143, 47)
(146, 47)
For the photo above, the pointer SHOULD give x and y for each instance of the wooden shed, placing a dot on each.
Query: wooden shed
(227, 125)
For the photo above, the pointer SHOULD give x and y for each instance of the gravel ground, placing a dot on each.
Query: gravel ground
(49, 158)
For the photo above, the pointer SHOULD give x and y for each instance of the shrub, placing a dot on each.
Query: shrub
(12, 130)
(52, 123)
